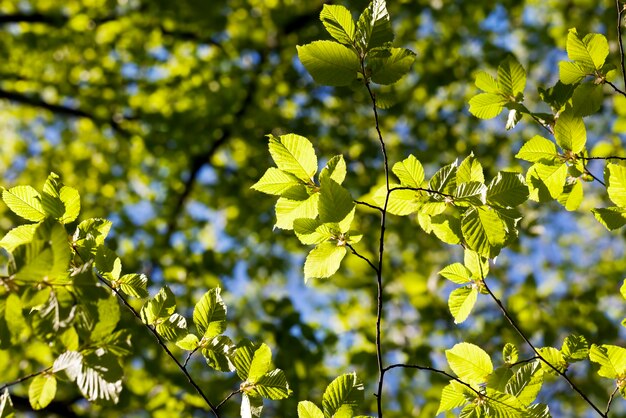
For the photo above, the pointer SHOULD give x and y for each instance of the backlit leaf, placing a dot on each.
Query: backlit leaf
(470, 363)
(329, 63)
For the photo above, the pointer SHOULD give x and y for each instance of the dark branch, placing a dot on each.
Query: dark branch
(367, 260)
(59, 109)
(378, 208)
(219, 405)
(603, 158)
(617, 90)
(620, 14)
(24, 378)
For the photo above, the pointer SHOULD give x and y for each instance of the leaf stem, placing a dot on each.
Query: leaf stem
(233, 393)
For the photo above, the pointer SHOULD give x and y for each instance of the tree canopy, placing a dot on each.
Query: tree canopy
(157, 124)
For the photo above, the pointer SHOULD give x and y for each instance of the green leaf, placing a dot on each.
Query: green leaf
(570, 132)
(251, 406)
(71, 200)
(526, 383)
(511, 77)
(323, 261)
(538, 149)
(611, 358)
(546, 182)
(476, 264)
(575, 348)
(487, 105)
(615, 178)
(339, 23)
(484, 231)
(572, 73)
(612, 218)
(335, 202)
(538, 410)
(209, 314)
(553, 357)
(276, 182)
(273, 385)
(452, 396)
(456, 273)
(470, 363)
(444, 181)
(374, 27)
(557, 96)
(189, 342)
(25, 202)
(17, 236)
(510, 354)
(218, 352)
(572, 196)
(401, 202)
(346, 391)
(92, 230)
(160, 307)
(390, 69)
(134, 285)
(335, 169)
(507, 190)
(461, 302)
(470, 170)
(260, 364)
(107, 315)
(59, 201)
(499, 378)
(41, 391)
(587, 99)
(6, 406)
(173, 328)
(307, 409)
(310, 231)
(447, 227)
(242, 360)
(474, 193)
(294, 154)
(589, 52)
(98, 375)
(287, 210)
(329, 63)
(487, 83)
(409, 171)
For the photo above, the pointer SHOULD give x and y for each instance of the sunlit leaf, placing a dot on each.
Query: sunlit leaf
(470, 363)
(339, 23)
(329, 63)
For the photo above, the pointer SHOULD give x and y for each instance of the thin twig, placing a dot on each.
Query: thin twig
(528, 360)
(381, 252)
(156, 336)
(367, 260)
(602, 158)
(543, 125)
(191, 353)
(369, 205)
(219, 405)
(422, 189)
(593, 176)
(617, 90)
(620, 12)
(24, 378)
(608, 404)
(532, 346)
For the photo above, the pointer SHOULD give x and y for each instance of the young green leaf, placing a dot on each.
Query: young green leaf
(160, 307)
(287, 210)
(575, 348)
(473, 193)
(483, 231)
(346, 391)
(456, 273)
(470, 170)
(324, 260)
(453, 396)
(335, 169)
(189, 342)
(554, 357)
(25, 202)
(572, 72)
(218, 352)
(335, 202)
(173, 328)
(589, 52)
(409, 171)
(470, 363)
(294, 154)
(538, 149)
(570, 132)
(276, 182)
(461, 302)
(374, 27)
(251, 405)
(6, 405)
(511, 77)
(587, 99)
(476, 264)
(572, 195)
(615, 178)
(444, 181)
(307, 409)
(311, 231)
(134, 285)
(401, 202)
(329, 63)
(209, 314)
(487, 105)
(546, 182)
(507, 190)
(526, 383)
(390, 69)
(487, 83)
(612, 218)
(17, 236)
(339, 23)
(510, 354)
(273, 385)
(98, 376)
(611, 358)
(447, 227)
(41, 391)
